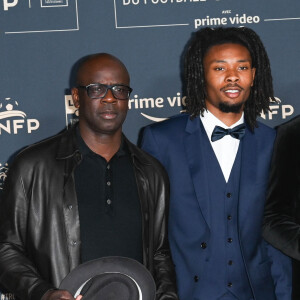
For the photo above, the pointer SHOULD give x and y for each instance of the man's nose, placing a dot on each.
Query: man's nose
(232, 76)
(109, 97)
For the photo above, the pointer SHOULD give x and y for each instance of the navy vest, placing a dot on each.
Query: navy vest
(225, 272)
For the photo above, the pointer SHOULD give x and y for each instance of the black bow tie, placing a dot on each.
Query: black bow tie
(236, 132)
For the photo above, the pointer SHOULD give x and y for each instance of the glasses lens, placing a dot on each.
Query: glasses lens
(121, 92)
(96, 91)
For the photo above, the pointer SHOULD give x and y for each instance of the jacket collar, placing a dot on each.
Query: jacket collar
(136, 153)
(68, 148)
(196, 158)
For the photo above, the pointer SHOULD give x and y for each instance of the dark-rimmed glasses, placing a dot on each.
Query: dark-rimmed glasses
(99, 91)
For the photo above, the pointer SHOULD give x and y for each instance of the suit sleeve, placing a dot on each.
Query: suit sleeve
(281, 271)
(281, 228)
(163, 264)
(164, 272)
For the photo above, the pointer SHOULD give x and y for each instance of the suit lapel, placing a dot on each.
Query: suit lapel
(195, 133)
(195, 160)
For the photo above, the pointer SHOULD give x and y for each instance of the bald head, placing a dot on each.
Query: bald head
(92, 64)
(101, 117)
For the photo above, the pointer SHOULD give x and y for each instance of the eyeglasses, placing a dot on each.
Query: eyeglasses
(99, 91)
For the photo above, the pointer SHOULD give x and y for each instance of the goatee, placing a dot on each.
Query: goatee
(231, 108)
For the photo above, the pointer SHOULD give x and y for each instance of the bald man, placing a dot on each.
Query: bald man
(84, 194)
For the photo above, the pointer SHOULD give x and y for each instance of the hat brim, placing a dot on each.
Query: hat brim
(112, 264)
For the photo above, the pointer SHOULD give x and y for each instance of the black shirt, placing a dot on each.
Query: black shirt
(108, 204)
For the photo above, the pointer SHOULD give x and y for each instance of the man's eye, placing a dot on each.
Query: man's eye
(243, 68)
(121, 89)
(118, 89)
(95, 89)
(219, 68)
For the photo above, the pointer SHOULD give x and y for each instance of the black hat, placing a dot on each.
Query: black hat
(110, 278)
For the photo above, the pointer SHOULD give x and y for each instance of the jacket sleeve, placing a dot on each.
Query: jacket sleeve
(163, 267)
(281, 228)
(281, 271)
(17, 271)
(163, 264)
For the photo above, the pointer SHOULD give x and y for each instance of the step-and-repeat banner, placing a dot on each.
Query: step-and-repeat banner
(40, 40)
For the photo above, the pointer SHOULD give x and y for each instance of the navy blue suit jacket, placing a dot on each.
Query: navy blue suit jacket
(177, 144)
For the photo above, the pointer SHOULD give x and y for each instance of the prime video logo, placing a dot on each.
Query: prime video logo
(44, 3)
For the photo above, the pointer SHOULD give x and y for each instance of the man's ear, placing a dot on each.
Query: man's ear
(75, 97)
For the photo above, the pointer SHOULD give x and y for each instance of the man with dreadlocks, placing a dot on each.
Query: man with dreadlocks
(218, 156)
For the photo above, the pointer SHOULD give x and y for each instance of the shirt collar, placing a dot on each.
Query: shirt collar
(85, 150)
(210, 121)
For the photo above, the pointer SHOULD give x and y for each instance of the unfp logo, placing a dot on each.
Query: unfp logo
(7, 296)
(282, 111)
(13, 120)
(3, 174)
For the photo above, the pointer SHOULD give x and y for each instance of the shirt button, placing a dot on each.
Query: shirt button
(229, 284)
(196, 278)
(230, 262)
(108, 167)
(203, 245)
(228, 195)
(77, 156)
(74, 243)
(108, 183)
(70, 207)
(108, 201)
(229, 240)
(229, 217)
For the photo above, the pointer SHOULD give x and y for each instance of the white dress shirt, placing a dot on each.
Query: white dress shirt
(227, 147)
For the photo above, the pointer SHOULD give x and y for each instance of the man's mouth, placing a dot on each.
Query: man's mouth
(232, 92)
(108, 115)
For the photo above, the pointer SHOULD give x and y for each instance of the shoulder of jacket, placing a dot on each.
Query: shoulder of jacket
(145, 158)
(39, 150)
(176, 120)
(292, 126)
(265, 130)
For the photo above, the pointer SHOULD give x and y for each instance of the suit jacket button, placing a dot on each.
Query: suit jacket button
(196, 278)
(203, 245)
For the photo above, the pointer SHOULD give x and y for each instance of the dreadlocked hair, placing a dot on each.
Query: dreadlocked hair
(262, 89)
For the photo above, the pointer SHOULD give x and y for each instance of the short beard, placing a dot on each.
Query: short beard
(231, 108)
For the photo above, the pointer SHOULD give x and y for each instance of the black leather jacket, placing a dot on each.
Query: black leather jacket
(39, 227)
